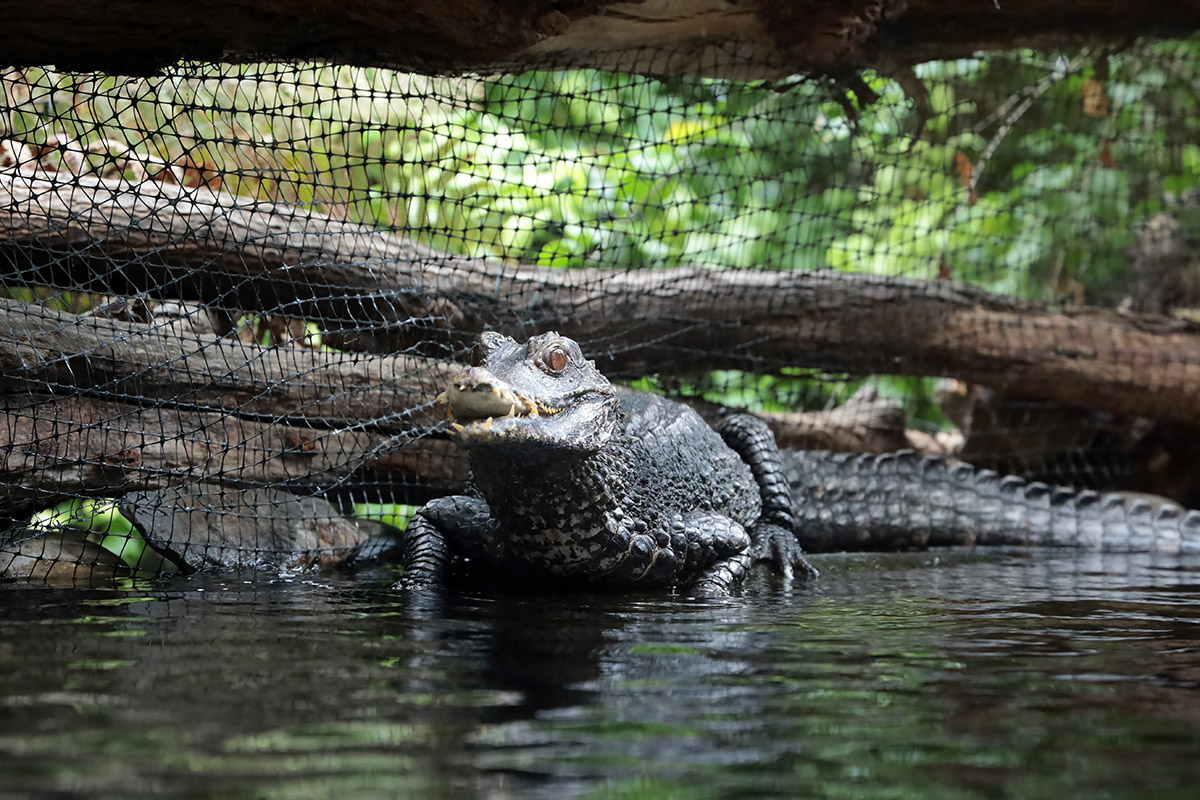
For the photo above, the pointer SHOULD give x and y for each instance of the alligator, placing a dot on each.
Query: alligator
(580, 483)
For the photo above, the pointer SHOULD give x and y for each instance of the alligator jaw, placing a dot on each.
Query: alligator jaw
(482, 406)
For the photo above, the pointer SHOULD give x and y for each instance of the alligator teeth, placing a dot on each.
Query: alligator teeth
(512, 411)
(457, 427)
(487, 424)
(441, 399)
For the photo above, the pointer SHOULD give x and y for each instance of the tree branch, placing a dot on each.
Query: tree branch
(82, 446)
(46, 351)
(767, 39)
(225, 250)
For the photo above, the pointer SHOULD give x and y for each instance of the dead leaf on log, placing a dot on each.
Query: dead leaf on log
(966, 171)
(1106, 155)
(1095, 99)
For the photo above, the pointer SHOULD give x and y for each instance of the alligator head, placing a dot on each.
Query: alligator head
(542, 393)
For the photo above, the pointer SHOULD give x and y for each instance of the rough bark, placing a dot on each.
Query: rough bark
(44, 351)
(866, 423)
(719, 38)
(220, 249)
(82, 446)
(62, 557)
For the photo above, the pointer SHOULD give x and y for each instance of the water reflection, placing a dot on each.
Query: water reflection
(1011, 674)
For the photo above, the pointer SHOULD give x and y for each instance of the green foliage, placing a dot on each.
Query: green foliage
(790, 388)
(598, 168)
(587, 167)
(106, 527)
(395, 514)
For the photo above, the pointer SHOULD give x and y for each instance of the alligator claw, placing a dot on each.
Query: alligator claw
(416, 581)
(779, 548)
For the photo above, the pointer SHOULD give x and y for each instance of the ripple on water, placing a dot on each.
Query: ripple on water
(924, 675)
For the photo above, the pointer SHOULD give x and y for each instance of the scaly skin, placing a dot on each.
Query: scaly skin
(579, 483)
(906, 501)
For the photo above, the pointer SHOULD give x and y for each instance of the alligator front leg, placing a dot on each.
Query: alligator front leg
(723, 579)
(439, 528)
(773, 535)
(705, 552)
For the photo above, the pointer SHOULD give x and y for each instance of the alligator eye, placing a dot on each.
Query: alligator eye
(556, 357)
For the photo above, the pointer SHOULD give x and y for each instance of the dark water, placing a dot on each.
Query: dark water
(1009, 675)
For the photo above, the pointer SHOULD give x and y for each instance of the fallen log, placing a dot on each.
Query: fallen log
(865, 423)
(196, 527)
(52, 447)
(47, 351)
(202, 527)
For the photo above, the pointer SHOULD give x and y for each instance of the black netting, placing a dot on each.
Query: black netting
(231, 293)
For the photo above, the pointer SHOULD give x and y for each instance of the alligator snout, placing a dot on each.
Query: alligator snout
(477, 394)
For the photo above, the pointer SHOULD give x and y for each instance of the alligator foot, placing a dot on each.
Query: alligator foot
(779, 548)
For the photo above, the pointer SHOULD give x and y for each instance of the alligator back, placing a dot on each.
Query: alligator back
(682, 464)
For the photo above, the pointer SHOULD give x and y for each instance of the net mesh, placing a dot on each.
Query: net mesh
(231, 293)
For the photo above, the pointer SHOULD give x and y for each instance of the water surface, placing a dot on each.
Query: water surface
(1012, 674)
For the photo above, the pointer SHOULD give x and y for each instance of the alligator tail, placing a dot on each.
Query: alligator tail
(903, 500)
